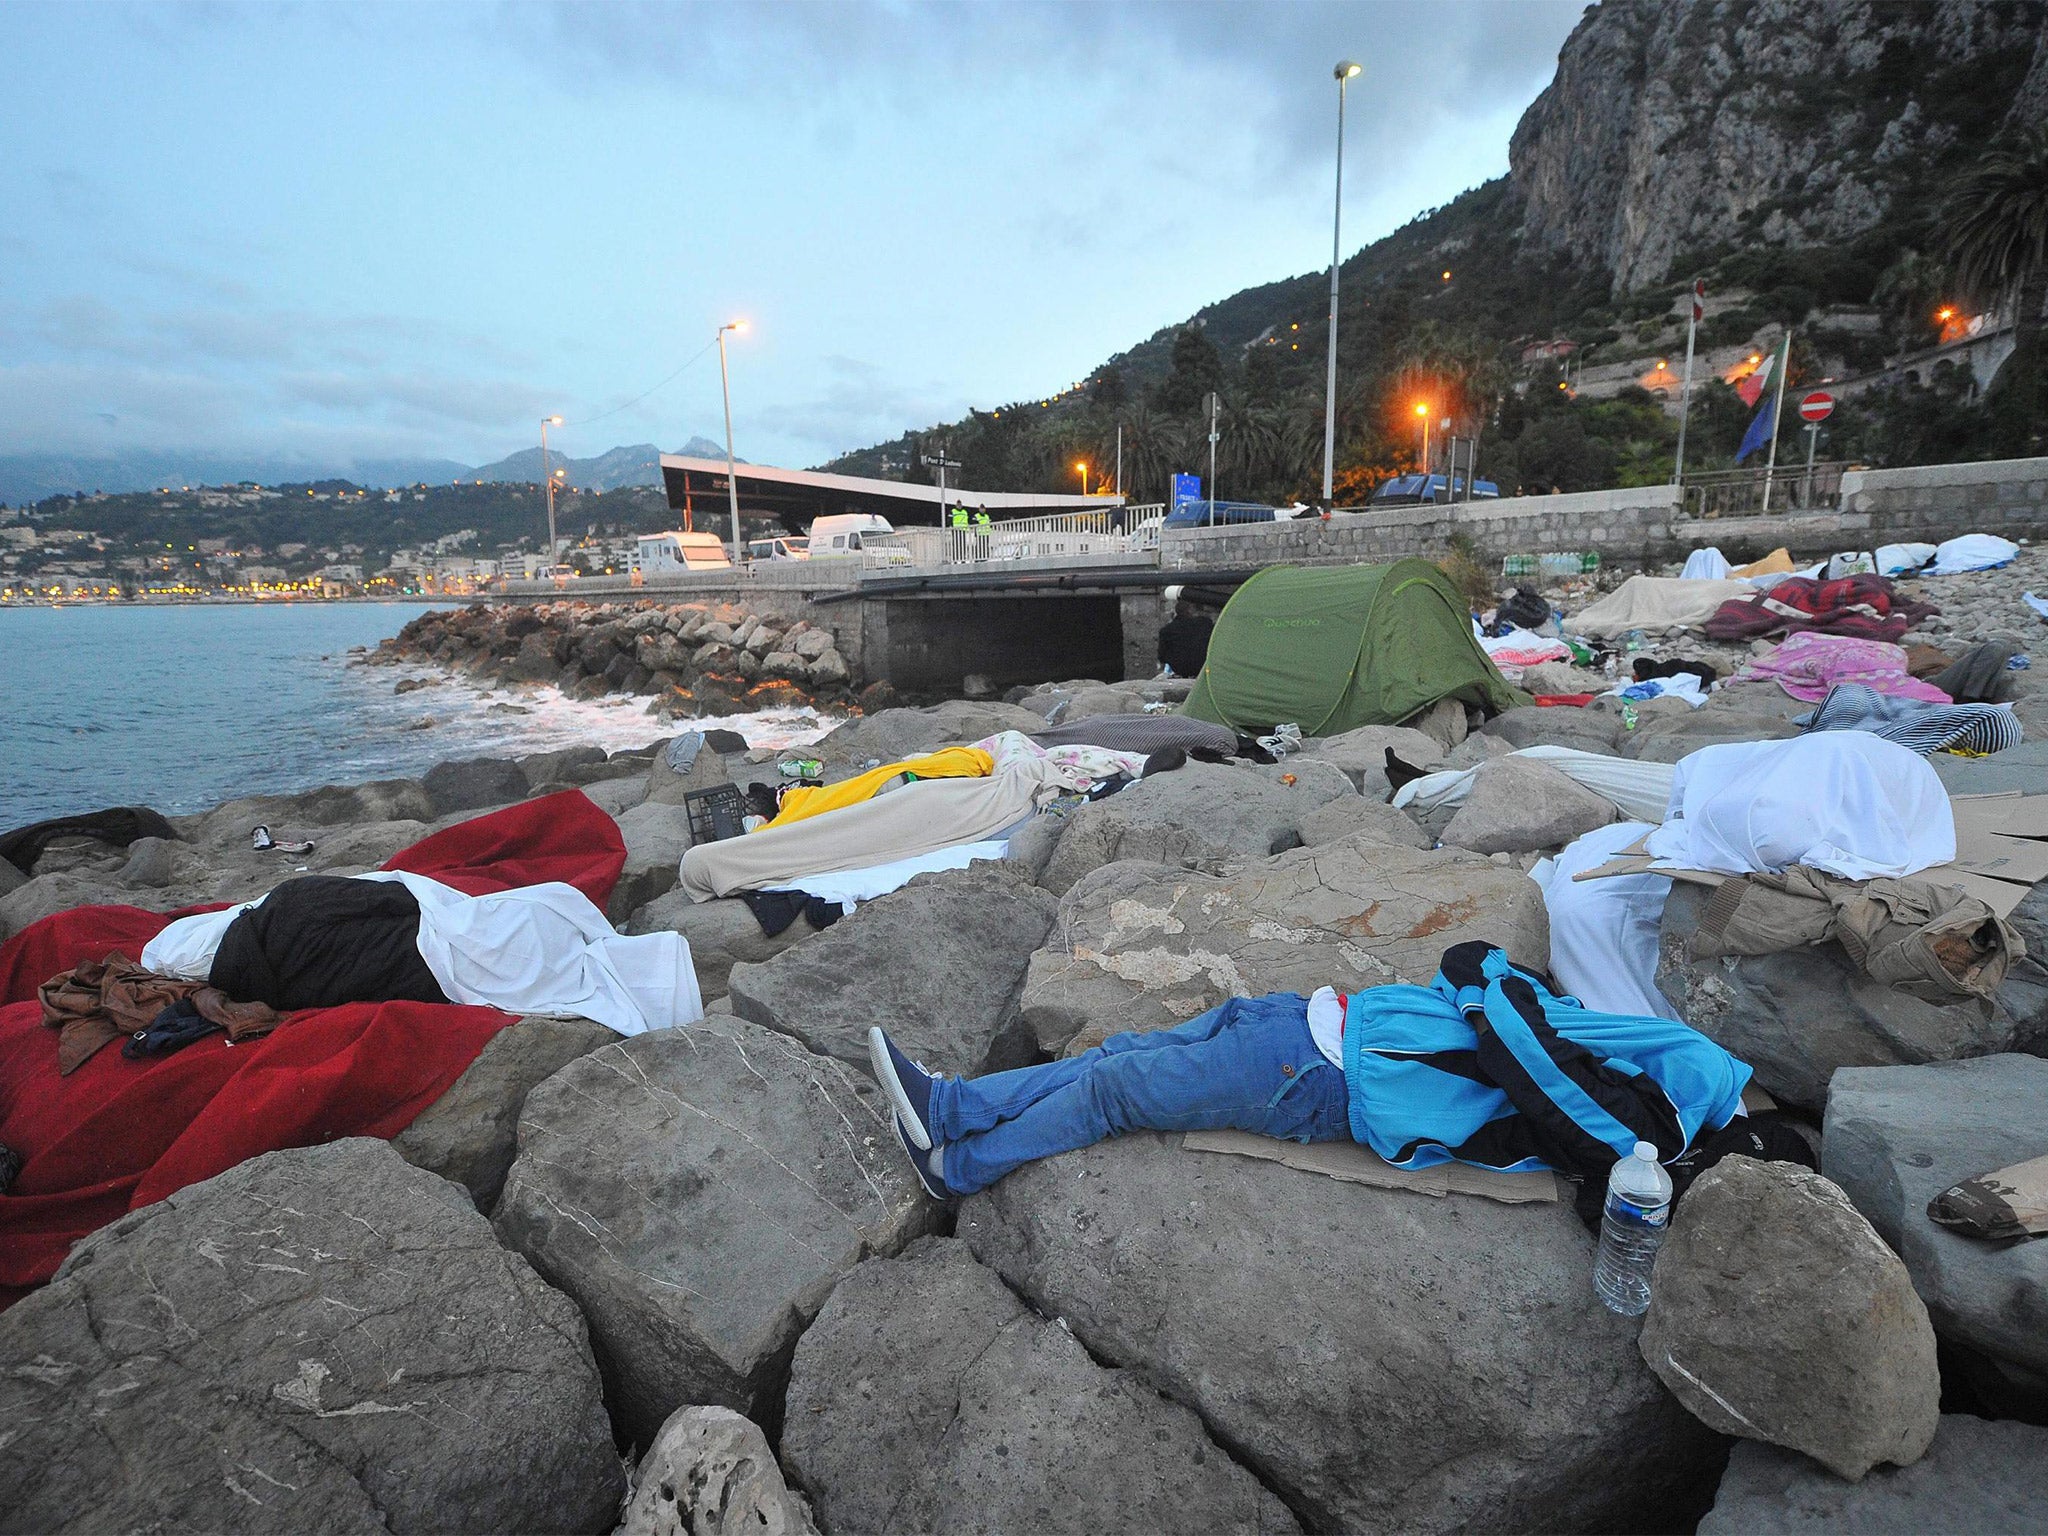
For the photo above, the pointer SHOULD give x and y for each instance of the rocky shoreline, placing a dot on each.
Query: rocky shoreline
(686, 659)
(701, 1248)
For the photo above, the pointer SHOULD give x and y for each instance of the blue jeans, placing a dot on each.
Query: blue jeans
(1250, 1065)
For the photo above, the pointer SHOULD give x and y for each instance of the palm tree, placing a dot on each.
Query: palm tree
(1997, 233)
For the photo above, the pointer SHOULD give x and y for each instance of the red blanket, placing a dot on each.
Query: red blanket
(118, 1134)
(1867, 607)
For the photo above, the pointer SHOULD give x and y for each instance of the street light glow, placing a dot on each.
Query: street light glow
(1421, 409)
(1346, 70)
(735, 325)
(554, 421)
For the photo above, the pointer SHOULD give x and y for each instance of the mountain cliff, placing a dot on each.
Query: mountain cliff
(1677, 125)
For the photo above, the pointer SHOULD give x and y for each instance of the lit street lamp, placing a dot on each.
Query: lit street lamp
(1082, 466)
(732, 479)
(1346, 71)
(1422, 410)
(549, 481)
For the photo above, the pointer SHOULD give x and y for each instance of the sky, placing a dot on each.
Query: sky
(359, 231)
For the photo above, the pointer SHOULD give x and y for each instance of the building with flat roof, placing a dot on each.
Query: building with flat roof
(799, 496)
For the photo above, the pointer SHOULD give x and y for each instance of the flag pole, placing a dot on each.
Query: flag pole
(1777, 410)
(1692, 327)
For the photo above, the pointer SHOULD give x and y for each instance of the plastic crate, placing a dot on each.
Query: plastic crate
(715, 813)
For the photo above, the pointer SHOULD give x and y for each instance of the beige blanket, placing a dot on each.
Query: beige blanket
(918, 818)
(1654, 602)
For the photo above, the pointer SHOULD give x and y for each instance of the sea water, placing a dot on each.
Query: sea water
(182, 707)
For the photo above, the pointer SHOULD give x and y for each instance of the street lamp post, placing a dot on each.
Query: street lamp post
(1423, 412)
(1345, 72)
(732, 479)
(1082, 466)
(549, 481)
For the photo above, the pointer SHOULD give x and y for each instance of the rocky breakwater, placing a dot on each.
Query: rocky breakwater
(687, 659)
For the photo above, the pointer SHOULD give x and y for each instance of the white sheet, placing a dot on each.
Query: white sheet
(1847, 802)
(1641, 790)
(1707, 564)
(1680, 685)
(1892, 559)
(537, 949)
(1654, 602)
(850, 887)
(1603, 933)
(1971, 552)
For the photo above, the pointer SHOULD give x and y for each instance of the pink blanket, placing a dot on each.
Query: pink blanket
(1808, 664)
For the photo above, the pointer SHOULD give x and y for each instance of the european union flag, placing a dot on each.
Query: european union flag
(1758, 434)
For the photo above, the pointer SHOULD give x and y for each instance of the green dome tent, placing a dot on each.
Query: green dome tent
(1339, 646)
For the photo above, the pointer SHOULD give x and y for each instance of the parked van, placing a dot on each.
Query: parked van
(843, 532)
(667, 553)
(793, 547)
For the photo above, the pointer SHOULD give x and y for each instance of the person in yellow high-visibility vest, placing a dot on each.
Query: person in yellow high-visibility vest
(959, 517)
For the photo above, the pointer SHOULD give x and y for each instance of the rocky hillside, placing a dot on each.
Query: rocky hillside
(1675, 126)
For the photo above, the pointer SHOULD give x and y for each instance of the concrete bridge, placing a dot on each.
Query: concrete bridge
(927, 626)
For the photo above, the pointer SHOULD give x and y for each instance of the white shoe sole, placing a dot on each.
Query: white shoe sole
(884, 1071)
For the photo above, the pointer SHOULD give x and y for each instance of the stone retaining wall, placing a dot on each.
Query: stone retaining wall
(1644, 525)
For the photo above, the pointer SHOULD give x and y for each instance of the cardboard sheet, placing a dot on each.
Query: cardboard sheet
(1355, 1164)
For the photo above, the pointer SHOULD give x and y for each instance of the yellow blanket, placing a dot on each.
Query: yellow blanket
(800, 802)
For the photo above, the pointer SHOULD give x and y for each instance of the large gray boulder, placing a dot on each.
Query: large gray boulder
(938, 964)
(1141, 946)
(1584, 730)
(324, 1339)
(699, 1192)
(657, 835)
(667, 787)
(891, 735)
(1979, 1478)
(228, 825)
(710, 1472)
(1382, 1360)
(2024, 997)
(1362, 754)
(1800, 1015)
(1521, 804)
(46, 895)
(1744, 713)
(722, 934)
(1896, 1137)
(926, 1397)
(474, 784)
(1359, 816)
(1201, 816)
(470, 1133)
(1777, 1314)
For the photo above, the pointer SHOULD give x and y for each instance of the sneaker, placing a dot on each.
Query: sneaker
(908, 1085)
(930, 1167)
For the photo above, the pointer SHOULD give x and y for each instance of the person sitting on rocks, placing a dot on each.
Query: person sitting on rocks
(1487, 1065)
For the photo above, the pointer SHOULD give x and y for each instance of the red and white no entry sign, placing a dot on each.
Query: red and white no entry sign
(1816, 406)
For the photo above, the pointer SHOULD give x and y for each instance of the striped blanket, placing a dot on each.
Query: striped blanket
(1920, 726)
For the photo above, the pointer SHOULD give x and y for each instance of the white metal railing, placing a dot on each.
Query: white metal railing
(1112, 530)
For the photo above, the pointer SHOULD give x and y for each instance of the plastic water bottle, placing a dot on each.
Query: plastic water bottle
(1632, 1230)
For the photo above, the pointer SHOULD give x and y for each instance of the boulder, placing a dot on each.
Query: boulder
(1801, 1014)
(657, 835)
(1751, 716)
(938, 964)
(1534, 726)
(926, 1397)
(1978, 1478)
(829, 669)
(470, 1132)
(323, 1339)
(1362, 754)
(559, 767)
(710, 1472)
(2024, 996)
(1102, 701)
(1521, 804)
(45, 895)
(617, 796)
(811, 643)
(1444, 723)
(1777, 1314)
(474, 784)
(892, 735)
(1896, 1137)
(1201, 816)
(152, 861)
(1384, 1361)
(1358, 816)
(1142, 946)
(699, 1192)
(721, 934)
(228, 825)
(667, 787)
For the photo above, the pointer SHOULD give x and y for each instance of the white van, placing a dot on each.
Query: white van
(843, 533)
(667, 553)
